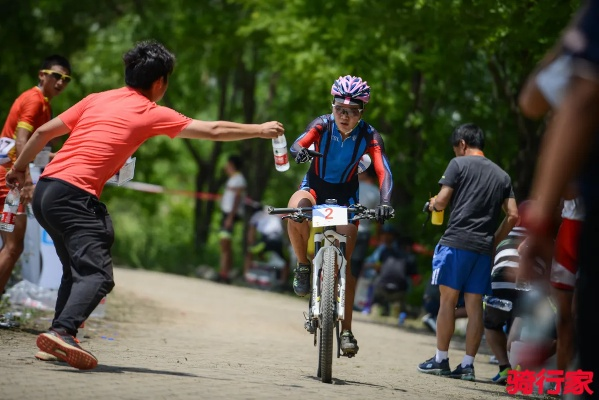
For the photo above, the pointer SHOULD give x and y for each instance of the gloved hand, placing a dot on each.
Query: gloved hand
(384, 212)
(303, 156)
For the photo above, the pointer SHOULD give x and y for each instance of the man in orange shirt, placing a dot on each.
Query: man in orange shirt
(105, 130)
(29, 111)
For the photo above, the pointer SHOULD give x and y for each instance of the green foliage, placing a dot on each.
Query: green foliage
(431, 65)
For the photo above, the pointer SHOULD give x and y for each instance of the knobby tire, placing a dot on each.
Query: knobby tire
(327, 312)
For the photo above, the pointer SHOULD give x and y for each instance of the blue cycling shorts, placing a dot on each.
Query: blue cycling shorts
(462, 270)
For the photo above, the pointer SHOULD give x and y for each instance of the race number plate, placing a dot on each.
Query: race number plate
(327, 215)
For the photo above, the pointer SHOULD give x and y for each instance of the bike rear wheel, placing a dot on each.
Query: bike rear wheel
(327, 315)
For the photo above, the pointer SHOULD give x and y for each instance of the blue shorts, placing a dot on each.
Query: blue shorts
(463, 270)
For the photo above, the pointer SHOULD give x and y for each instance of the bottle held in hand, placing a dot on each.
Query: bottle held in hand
(500, 304)
(437, 217)
(9, 213)
(279, 148)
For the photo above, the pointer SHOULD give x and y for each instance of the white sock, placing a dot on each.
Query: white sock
(441, 355)
(467, 360)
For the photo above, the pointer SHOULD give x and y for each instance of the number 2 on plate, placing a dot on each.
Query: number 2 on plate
(328, 213)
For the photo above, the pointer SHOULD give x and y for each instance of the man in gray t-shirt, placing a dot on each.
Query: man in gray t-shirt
(477, 190)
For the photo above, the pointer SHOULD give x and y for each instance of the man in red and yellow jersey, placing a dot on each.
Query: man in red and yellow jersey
(29, 111)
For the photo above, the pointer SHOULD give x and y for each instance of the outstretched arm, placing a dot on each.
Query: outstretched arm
(229, 131)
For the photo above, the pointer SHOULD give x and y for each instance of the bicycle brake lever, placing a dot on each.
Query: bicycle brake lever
(295, 217)
(314, 153)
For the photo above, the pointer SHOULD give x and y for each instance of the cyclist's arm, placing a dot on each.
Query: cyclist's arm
(229, 131)
(310, 136)
(376, 150)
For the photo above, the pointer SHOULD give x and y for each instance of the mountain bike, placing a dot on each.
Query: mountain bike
(327, 299)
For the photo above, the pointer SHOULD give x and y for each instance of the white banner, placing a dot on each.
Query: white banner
(39, 262)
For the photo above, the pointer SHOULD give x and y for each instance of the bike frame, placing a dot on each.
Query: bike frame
(328, 238)
(329, 266)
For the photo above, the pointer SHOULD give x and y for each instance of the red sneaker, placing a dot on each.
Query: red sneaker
(66, 348)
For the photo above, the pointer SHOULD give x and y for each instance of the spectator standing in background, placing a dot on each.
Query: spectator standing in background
(28, 112)
(232, 208)
(477, 190)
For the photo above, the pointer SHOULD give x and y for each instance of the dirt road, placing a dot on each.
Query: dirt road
(171, 337)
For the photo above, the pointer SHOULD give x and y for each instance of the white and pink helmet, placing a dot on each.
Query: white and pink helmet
(347, 89)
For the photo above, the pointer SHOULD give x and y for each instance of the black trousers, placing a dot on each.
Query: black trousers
(82, 232)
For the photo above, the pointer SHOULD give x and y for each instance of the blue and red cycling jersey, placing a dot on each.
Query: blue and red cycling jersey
(335, 174)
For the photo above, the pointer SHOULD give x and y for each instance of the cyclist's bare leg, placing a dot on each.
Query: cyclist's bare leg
(299, 232)
(351, 232)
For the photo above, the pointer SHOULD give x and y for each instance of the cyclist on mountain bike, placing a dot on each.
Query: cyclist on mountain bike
(342, 137)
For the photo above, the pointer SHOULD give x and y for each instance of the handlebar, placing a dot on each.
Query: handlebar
(314, 153)
(301, 214)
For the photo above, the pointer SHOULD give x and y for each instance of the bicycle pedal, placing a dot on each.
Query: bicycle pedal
(309, 327)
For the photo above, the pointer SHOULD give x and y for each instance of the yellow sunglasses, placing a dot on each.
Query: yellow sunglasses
(57, 75)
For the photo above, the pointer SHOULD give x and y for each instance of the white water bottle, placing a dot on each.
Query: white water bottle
(279, 148)
(500, 304)
(9, 213)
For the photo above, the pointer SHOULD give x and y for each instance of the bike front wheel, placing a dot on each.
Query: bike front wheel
(327, 314)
